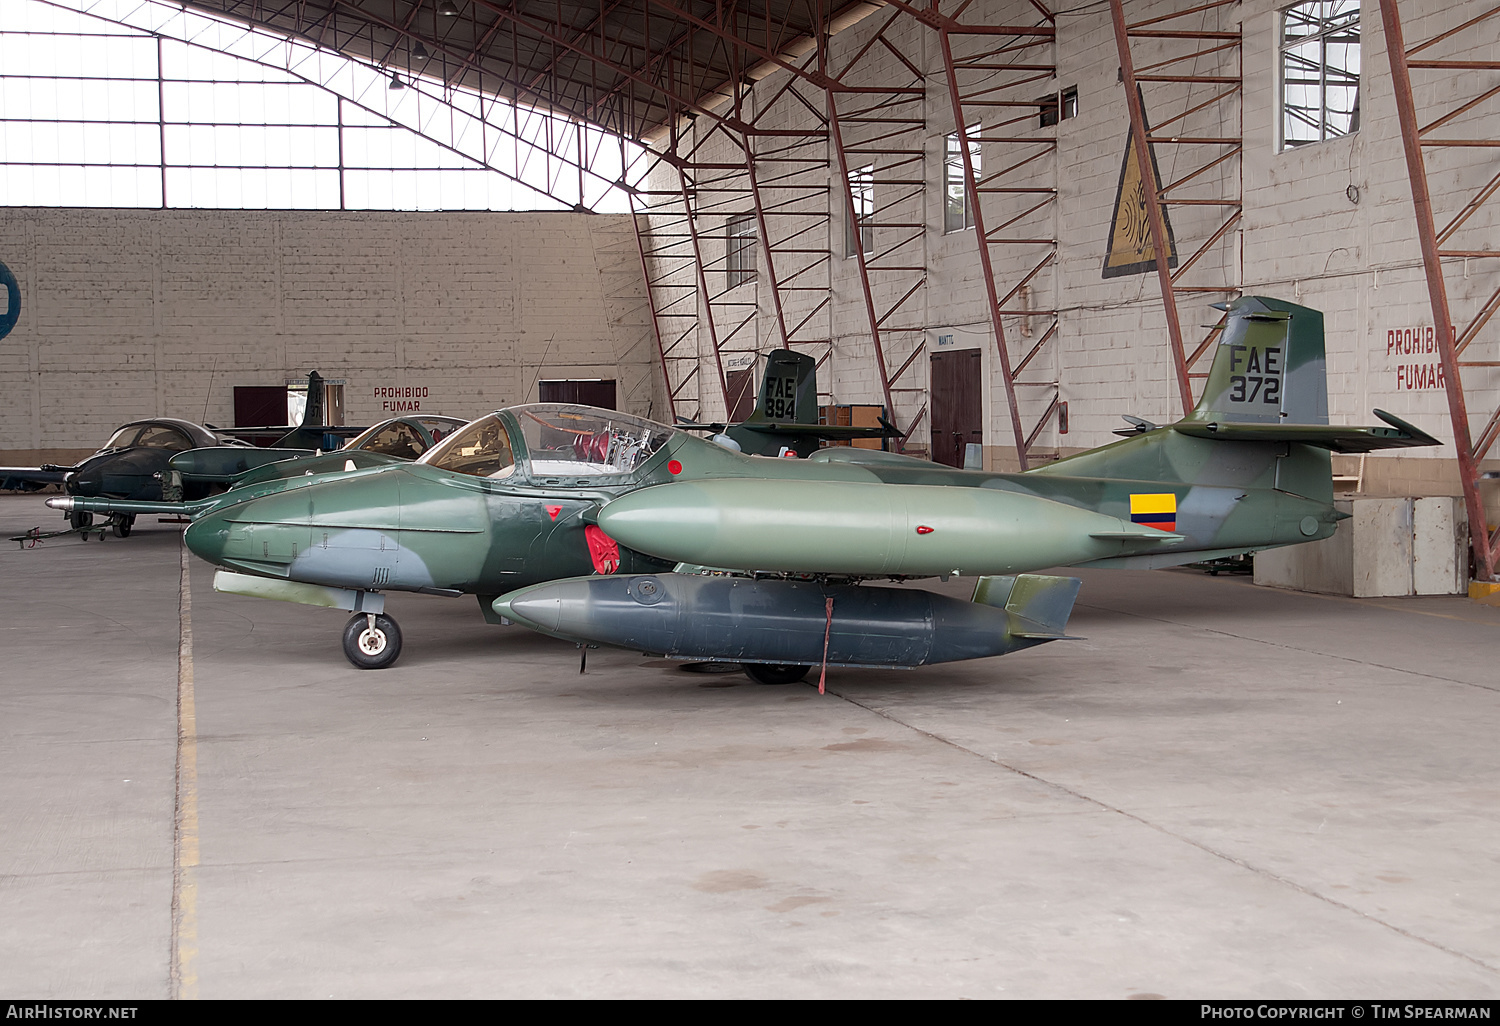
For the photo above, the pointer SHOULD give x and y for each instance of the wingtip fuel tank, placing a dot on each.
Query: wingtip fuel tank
(849, 527)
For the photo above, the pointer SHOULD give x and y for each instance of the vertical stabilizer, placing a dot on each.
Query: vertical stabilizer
(309, 433)
(789, 390)
(1269, 366)
(312, 416)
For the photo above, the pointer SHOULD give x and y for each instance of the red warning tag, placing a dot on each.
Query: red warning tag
(553, 511)
(604, 551)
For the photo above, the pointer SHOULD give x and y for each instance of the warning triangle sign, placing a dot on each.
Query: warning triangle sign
(1130, 249)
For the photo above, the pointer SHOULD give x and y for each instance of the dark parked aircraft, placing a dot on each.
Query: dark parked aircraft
(128, 466)
(136, 462)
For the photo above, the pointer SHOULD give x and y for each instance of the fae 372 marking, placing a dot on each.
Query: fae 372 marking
(1261, 380)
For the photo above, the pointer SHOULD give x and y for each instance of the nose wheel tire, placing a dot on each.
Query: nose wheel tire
(774, 673)
(122, 525)
(372, 641)
(78, 518)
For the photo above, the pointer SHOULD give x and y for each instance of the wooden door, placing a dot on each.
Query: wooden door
(597, 392)
(957, 404)
(741, 394)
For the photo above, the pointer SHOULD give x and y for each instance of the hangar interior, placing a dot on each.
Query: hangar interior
(710, 167)
(957, 209)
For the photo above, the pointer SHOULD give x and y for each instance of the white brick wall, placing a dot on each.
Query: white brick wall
(1300, 239)
(142, 313)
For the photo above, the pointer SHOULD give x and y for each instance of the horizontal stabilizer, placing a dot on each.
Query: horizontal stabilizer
(822, 430)
(1398, 435)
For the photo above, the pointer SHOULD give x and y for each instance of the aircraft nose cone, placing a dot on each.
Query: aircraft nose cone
(206, 538)
(544, 611)
(88, 481)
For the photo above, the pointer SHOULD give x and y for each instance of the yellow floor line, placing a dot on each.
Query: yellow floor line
(185, 846)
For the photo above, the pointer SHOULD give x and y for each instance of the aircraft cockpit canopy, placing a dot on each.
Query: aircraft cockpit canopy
(583, 442)
(152, 436)
(553, 442)
(481, 449)
(402, 438)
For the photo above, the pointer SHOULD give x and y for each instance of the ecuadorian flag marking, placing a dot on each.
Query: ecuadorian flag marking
(1159, 511)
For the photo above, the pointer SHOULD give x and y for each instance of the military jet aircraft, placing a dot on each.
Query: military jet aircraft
(128, 465)
(398, 440)
(603, 528)
(138, 462)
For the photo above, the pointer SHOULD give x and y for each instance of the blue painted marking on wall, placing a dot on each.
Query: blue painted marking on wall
(12, 312)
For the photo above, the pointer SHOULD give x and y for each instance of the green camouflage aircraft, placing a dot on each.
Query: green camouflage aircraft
(603, 528)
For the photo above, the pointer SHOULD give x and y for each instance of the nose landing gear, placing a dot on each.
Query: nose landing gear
(372, 641)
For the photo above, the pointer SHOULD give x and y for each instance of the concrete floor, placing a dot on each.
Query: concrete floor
(1223, 791)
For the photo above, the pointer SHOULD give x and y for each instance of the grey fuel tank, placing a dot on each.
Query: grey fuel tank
(691, 616)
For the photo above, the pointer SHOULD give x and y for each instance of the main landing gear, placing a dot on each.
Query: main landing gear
(372, 641)
(775, 673)
(83, 523)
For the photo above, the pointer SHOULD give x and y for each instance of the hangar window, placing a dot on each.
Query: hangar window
(1057, 107)
(140, 103)
(739, 253)
(1319, 71)
(862, 191)
(958, 207)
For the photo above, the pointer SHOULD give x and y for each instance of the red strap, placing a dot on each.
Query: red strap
(827, 629)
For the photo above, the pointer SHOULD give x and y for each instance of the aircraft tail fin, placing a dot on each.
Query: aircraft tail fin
(1037, 606)
(313, 415)
(1269, 366)
(1268, 384)
(309, 433)
(788, 389)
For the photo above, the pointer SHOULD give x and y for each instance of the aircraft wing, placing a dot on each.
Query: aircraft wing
(31, 478)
